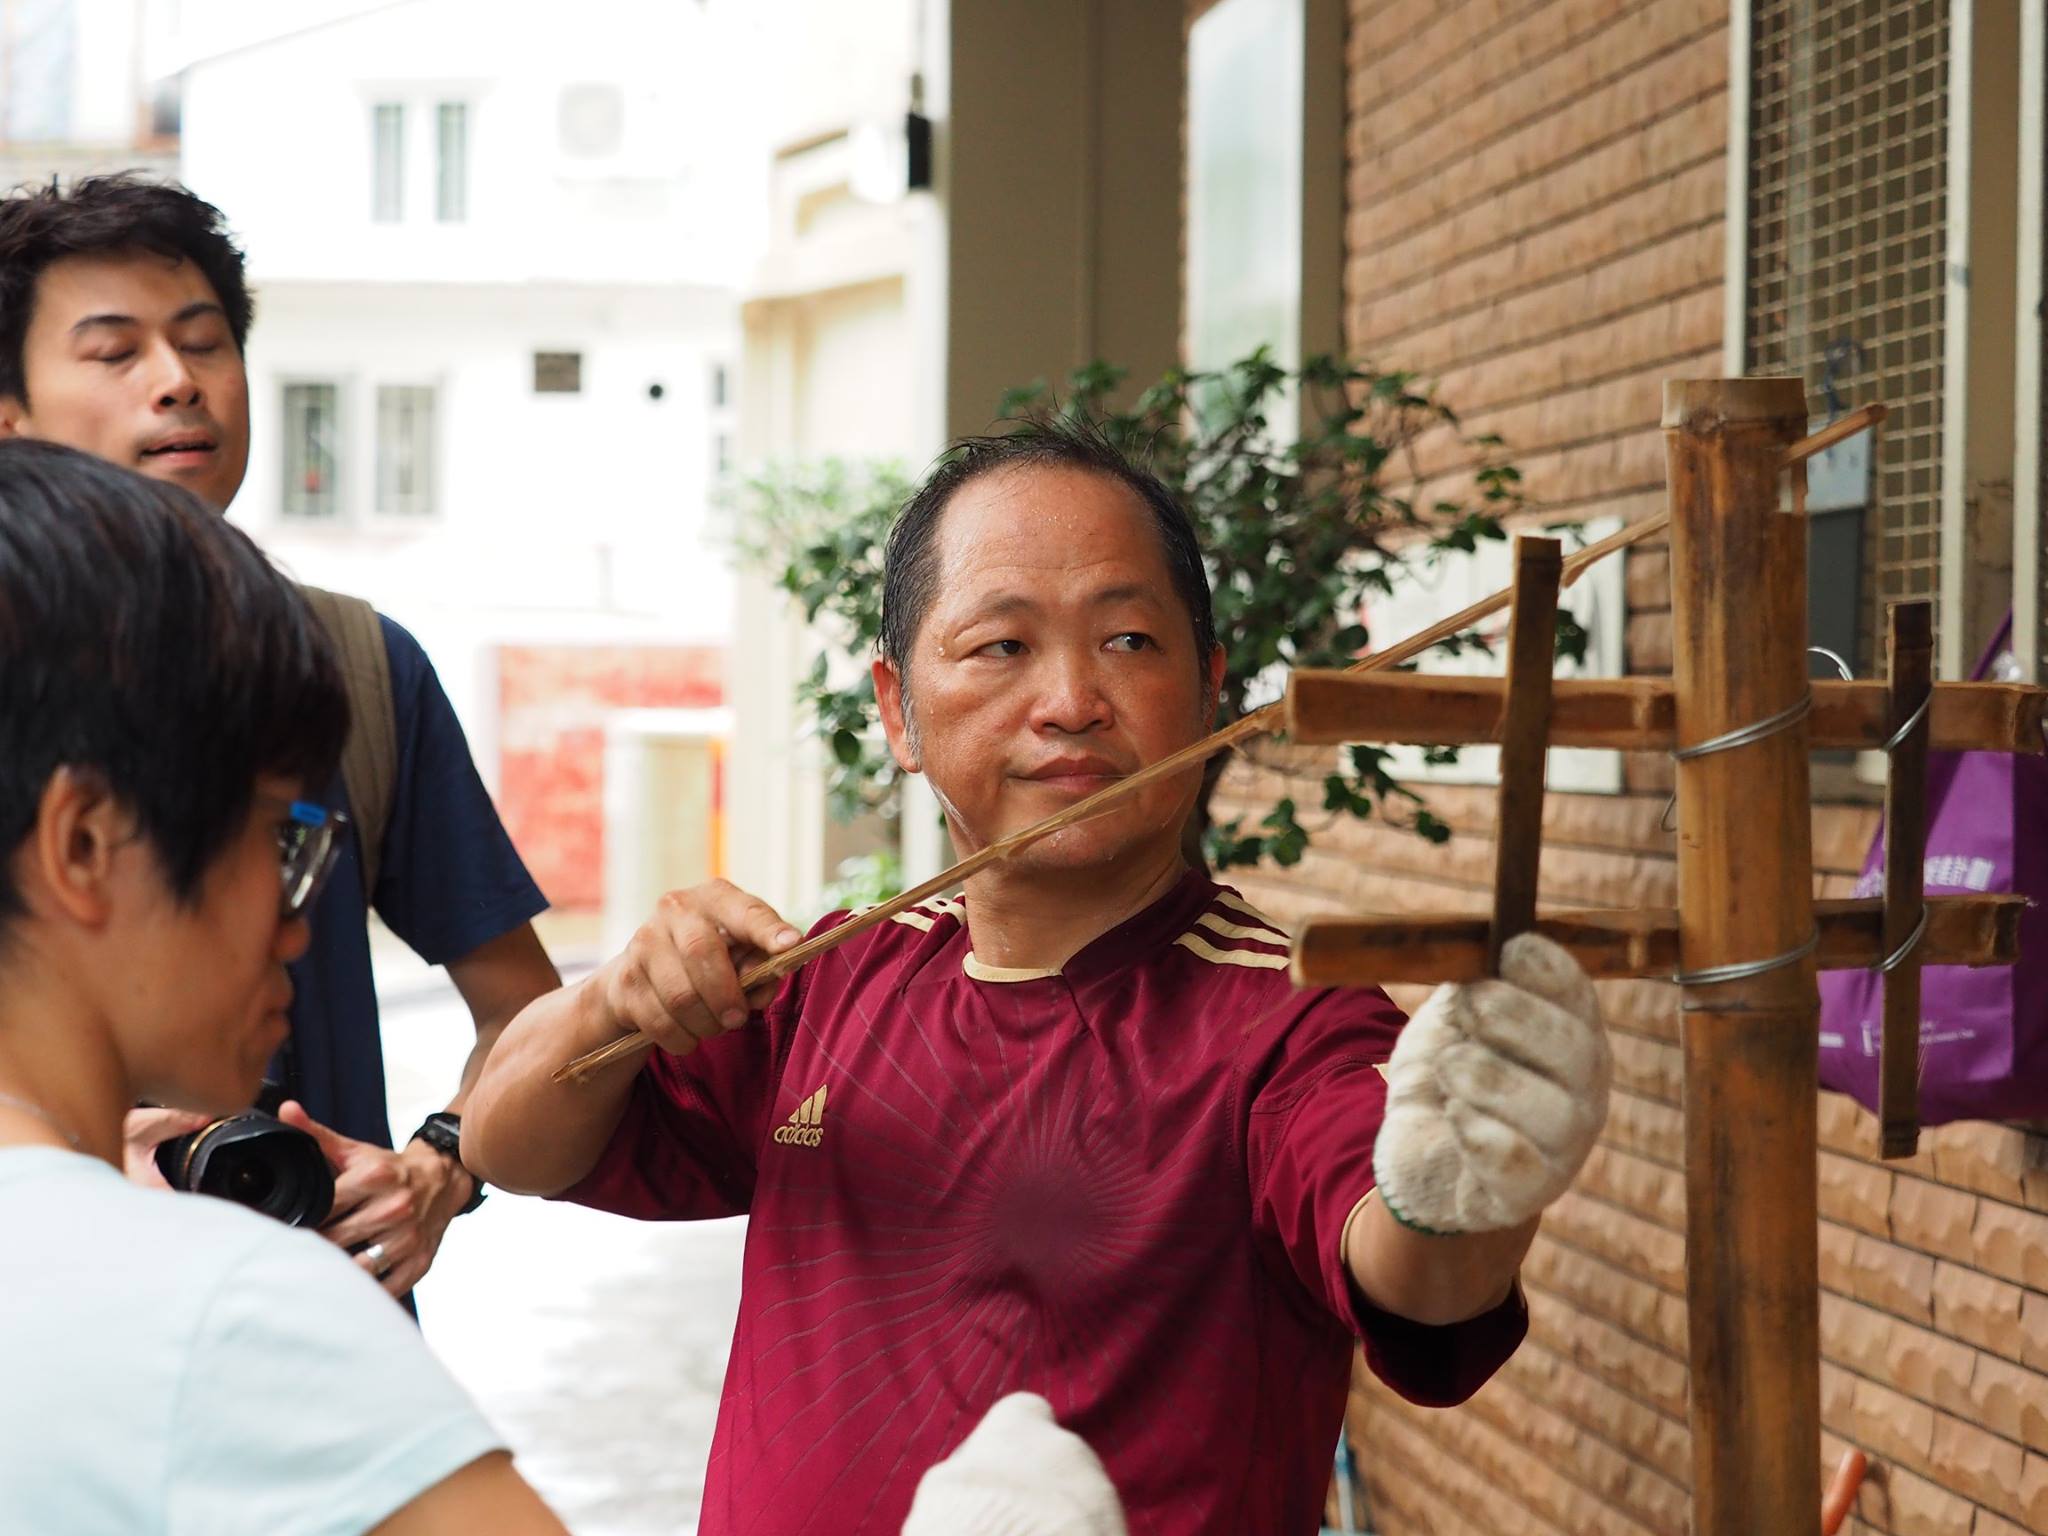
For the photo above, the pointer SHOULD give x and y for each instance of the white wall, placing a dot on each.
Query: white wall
(575, 519)
(277, 129)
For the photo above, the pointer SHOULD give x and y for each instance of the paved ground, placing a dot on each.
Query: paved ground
(596, 1345)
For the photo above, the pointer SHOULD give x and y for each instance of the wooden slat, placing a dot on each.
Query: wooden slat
(1631, 942)
(1524, 734)
(1911, 643)
(1636, 713)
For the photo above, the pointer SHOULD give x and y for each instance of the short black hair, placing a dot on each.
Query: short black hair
(102, 216)
(910, 565)
(146, 641)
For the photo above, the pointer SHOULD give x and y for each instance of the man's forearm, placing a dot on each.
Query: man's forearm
(520, 1130)
(1434, 1280)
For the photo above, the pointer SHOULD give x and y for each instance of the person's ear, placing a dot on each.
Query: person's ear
(13, 416)
(79, 830)
(894, 706)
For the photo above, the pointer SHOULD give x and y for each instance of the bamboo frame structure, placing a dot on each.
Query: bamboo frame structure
(1749, 1010)
(1260, 722)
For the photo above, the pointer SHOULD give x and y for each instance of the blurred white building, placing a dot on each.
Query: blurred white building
(492, 373)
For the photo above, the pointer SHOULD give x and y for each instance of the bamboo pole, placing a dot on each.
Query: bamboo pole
(1525, 742)
(1632, 942)
(1750, 1044)
(1911, 644)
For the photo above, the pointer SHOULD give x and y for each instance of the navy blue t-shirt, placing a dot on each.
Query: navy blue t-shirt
(449, 882)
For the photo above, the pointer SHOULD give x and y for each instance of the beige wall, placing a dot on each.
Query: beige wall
(1551, 247)
(1059, 162)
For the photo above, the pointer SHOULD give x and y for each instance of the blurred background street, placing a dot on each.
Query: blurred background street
(595, 1345)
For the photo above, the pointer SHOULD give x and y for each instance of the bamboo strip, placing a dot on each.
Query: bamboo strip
(1639, 943)
(1911, 642)
(1636, 713)
(1524, 714)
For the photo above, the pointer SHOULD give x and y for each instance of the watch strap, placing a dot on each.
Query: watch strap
(443, 1132)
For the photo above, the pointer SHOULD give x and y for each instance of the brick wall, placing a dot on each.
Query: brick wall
(1535, 215)
(552, 703)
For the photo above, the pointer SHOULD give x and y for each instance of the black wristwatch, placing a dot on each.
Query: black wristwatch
(443, 1132)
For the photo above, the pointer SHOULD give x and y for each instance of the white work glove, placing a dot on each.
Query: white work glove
(1496, 1092)
(1017, 1474)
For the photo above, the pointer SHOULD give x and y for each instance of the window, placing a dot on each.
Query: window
(405, 450)
(721, 454)
(719, 386)
(1847, 248)
(451, 184)
(312, 450)
(558, 373)
(387, 162)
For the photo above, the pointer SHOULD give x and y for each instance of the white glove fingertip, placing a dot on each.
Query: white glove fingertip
(1540, 965)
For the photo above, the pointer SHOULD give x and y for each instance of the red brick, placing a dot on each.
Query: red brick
(2011, 1243)
(1990, 1159)
(1978, 1309)
(2032, 1335)
(1855, 1194)
(1894, 1279)
(2010, 1400)
(1976, 1464)
(1918, 1506)
(1934, 1218)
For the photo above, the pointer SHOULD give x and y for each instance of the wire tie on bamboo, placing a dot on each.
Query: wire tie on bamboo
(1899, 736)
(1743, 970)
(1841, 666)
(1728, 741)
(1898, 956)
(1744, 735)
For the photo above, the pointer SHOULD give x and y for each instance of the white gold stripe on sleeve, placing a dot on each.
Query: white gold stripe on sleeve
(1257, 959)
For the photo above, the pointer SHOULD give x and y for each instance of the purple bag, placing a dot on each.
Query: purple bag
(1983, 1033)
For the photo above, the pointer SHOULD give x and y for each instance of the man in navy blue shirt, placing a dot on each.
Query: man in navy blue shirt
(123, 315)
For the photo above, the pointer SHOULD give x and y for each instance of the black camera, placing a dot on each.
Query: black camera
(254, 1159)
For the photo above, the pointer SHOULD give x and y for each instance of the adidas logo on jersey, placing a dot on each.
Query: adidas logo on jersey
(806, 1127)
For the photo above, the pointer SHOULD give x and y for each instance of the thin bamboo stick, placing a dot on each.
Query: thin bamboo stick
(1260, 722)
(1911, 642)
(1840, 430)
(1525, 742)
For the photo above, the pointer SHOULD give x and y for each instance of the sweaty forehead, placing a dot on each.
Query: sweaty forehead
(1048, 526)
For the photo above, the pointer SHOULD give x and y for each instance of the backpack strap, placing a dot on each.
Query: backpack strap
(369, 760)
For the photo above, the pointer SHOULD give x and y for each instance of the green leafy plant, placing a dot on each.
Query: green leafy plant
(1301, 526)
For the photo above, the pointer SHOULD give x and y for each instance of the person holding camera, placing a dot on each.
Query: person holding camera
(124, 312)
(169, 711)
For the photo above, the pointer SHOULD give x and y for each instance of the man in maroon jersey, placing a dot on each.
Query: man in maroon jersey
(1075, 1134)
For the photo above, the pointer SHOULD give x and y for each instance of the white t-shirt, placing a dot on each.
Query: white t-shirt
(176, 1364)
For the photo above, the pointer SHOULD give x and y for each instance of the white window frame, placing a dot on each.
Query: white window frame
(343, 470)
(379, 186)
(381, 509)
(443, 106)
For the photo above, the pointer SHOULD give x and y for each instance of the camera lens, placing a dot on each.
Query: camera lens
(257, 1161)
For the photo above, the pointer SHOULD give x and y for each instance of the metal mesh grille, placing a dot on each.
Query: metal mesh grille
(1848, 200)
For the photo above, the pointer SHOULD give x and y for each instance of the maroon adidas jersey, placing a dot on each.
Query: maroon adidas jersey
(1122, 1185)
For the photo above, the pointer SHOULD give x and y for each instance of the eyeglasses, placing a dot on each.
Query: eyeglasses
(308, 847)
